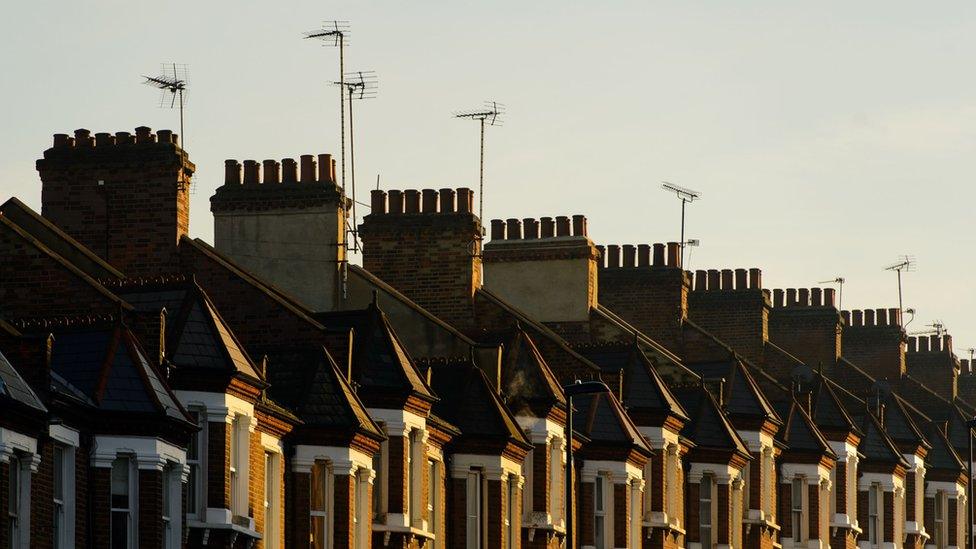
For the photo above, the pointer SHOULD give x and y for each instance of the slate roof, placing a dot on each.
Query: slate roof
(380, 361)
(741, 394)
(876, 445)
(14, 388)
(468, 402)
(643, 387)
(801, 435)
(942, 455)
(601, 418)
(709, 427)
(528, 383)
(307, 381)
(828, 411)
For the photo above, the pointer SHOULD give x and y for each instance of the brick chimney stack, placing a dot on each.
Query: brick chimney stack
(931, 360)
(649, 289)
(551, 275)
(427, 245)
(874, 339)
(807, 323)
(125, 197)
(732, 305)
(287, 229)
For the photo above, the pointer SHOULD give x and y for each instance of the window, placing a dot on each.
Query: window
(18, 502)
(705, 511)
(557, 474)
(746, 476)
(320, 500)
(874, 515)
(171, 510)
(601, 515)
(380, 482)
(434, 503)
(671, 469)
(239, 444)
(796, 508)
(833, 495)
(272, 519)
(635, 514)
(194, 461)
(123, 485)
(359, 498)
(511, 504)
(473, 509)
(60, 476)
(939, 536)
(408, 474)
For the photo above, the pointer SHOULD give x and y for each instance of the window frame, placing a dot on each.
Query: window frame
(798, 508)
(706, 508)
(326, 480)
(272, 506)
(172, 512)
(63, 508)
(939, 536)
(197, 467)
(474, 509)
(381, 481)
(132, 509)
(874, 514)
(602, 511)
(434, 502)
(18, 500)
(240, 445)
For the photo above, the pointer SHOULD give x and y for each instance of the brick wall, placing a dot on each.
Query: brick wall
(813, 510)
(297, 509)
(889, 516)
(218, 465)
(809, 328)
(723, 523)
(876, 348)
(457, 512)
(654, 300)
(432, 257)
(344, 509)
(101, 517)
(931, 359)
(128, 202)
(693, 513)
(738, 315)
(840, 487)
(952, 517)
(621, 515)
(150, 508)
(255, 486)
(785, 514)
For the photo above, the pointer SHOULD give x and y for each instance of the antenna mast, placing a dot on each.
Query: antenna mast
(686, 196)
(336, 34)
(840, 283)
(359, 85)
(490, 113)
(906, 264)
(172, 83)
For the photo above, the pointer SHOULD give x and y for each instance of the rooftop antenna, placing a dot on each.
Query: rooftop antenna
(336, 34)
(358, 85)
(691, 243)
(907, 264)
(686, 196)
(172, 83)
(840, 290)
(491, 114)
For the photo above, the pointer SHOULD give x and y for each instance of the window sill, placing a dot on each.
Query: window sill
(408, 530)
(223, 526)
(663, 521)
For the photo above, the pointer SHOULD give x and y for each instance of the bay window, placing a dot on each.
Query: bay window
(705, 512)
(123, 503)
(18, 502)
(797, 509)
(194, 460)
(474, 510)
(939, 519)
(320, 506)
(239, 446)
(874, 514)
(601, 516)
(272, 518)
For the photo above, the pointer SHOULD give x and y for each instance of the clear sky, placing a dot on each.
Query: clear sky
(827, 137)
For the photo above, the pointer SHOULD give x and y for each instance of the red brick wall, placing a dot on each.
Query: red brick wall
(4, 490)
(878, 350)
(952, 517)
(150, 508)
(218, 465)
(344, 510)
(840, 487)
(101, 515)
(297, 509)
(135, 219)
(654, 300)
(811, 334)
(724, 522)
(540, 479)
(256, 484)
(457, 511)
(584, 518)
(738, 317)
(813, 511)
(397, 494)
(785, 514)
(693, 512)
(889, 516)
(621, 515)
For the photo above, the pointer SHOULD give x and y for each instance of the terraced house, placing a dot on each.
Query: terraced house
(264, 391)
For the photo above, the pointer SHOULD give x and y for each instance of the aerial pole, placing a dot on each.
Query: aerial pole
(172, 84)
(336, 34)
(686, 196)
(359, 85)
(491, 114)
(907, 264)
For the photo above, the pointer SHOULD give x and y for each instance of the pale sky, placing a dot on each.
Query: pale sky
(827, 138)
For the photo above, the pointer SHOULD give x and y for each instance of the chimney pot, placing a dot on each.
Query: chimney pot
(869, 319)
(60, 140)
(232, 172)
(828, 297)
(816, 297)
(547, 227)
(325, 168)
(579, 225)
(377, 202)
(674, 255)
(894, 316)
(104, 139)
(448, 197)
(778, 296)
(727, 279)
(755, 278)
(613, 256)
(163, 136)
(465, 200)
(846, 315)
(741, 275)
(923, 344)
(514, 228)
(332, 170)
(289, 170)
(602, 250)
(791, 300)
(252, 172)
(659, 255)
(429, 200)
(629, 255)
(411, 199)
(562, 225)
(497, 229)
(912, 345)
(643, 255)
(123, 138)
(396, 202)
(714, 280)
(143, 135)
(83, 138)
(271, 173)
(803, 296)
(857, 317)
(935, 343)
(530, 228)
(701, 280)
(308, 168)
(881, 317)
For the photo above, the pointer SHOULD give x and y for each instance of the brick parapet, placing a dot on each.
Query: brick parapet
(280, 188)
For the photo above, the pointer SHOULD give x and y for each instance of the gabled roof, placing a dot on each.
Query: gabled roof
(709, 428)
(380, 361)
(307, 381)
(942, 455)
(741, 395)
(643, 387)
(801, 435)
(876, 445)
(529, 386)
(601, 418)
(899, 425)
(197, 336)
(57, 240)
(827, 410)
(14, 388)
(468, 401)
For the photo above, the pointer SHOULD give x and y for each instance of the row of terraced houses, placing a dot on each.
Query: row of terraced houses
(157, 391)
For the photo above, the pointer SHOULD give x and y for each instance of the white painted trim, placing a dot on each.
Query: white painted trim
(271, 443)
(11, 441)
(813, 472)
(951, 489)
(888, 482)
(494, 467)
(658, 437)
(620, 472)
(756, 441)
(64, 435)
(343, 461)
(722, 472)
(397, 422)
(151, 453)
(219, 407)
(540, 430)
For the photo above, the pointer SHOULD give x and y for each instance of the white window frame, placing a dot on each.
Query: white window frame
(18, 494)
(132, 511)
(326, 484)
(603, 511)
(875, 525)
(272, 507)
(434, 502)
(239, 464)
(636, 513)
(381, 482)
(63, 509)
(474, 509)
(173, 515)
(798, 509)
(939, 513)
(706, 508)
(672, 467)
(511, 489)
(196, 489)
